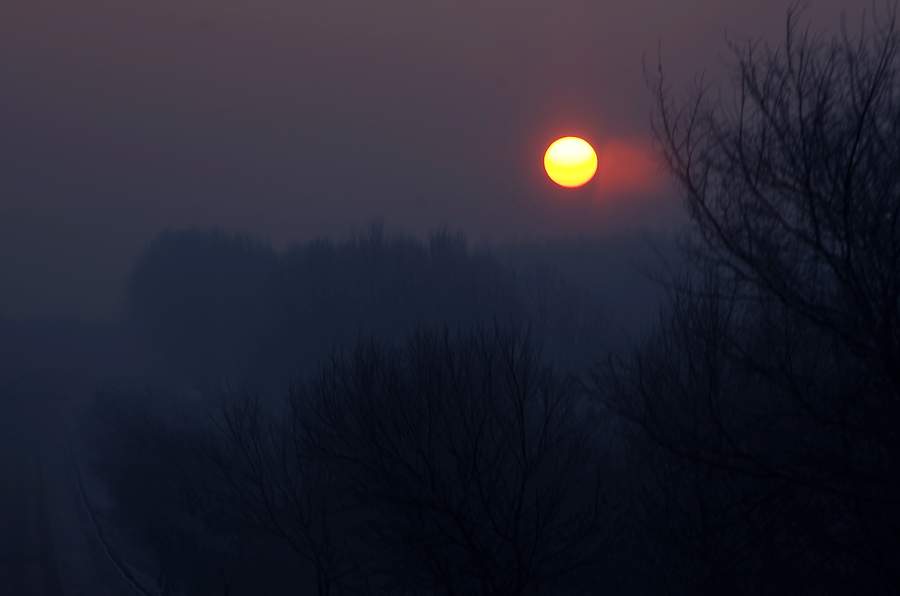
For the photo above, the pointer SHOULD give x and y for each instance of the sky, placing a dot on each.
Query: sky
(293, 119)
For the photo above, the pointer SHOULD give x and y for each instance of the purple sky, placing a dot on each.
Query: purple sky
(293, 119)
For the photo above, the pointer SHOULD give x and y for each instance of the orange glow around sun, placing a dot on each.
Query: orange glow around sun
(570, 162)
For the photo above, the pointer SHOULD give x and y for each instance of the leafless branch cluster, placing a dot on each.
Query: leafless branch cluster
(455, 464)
(792, 179)
(774, 377)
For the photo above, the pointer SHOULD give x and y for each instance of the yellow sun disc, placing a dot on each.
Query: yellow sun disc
(570, 162)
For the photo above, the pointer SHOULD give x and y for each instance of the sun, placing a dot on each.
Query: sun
(570, 162)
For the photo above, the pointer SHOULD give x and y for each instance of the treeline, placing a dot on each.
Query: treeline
(217, 307)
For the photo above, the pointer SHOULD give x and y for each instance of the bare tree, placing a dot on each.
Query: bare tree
(468, 468)
(777, 368)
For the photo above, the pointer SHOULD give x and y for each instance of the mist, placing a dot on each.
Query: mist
(288, 303)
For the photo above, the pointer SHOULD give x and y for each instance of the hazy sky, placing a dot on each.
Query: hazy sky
(292, 119)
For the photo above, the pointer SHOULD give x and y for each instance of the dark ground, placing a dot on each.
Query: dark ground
(48, 543)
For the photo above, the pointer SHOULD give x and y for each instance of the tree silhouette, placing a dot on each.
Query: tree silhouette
(775, 377)
(453, 465)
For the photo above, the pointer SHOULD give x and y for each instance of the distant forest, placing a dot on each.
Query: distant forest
(215, 306)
